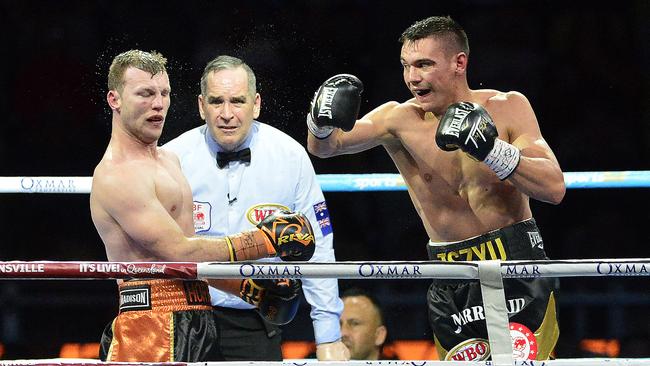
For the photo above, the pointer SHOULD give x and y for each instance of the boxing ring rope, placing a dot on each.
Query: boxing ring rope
(486, 271)
(490, 273)
(70, 270)
(336, 182)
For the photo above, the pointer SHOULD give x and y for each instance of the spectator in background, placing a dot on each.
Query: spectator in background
(362, 325)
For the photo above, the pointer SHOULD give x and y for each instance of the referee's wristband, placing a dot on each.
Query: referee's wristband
(503, 159)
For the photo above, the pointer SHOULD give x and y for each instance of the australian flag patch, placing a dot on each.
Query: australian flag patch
(323, 217)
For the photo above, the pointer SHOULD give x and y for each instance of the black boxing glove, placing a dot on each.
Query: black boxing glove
(469, 127)
(277, 299)
(288, 235)
(335, 105)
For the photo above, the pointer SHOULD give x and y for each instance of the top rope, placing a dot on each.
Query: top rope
(335, 182)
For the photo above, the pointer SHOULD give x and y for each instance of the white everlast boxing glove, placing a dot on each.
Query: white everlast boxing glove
(469, 127)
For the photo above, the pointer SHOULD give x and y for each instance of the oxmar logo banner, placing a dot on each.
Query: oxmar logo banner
(577, 268)
(390, 271)
(623, 269)
(48, 185)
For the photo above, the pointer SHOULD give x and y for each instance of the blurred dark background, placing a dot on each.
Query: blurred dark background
(582, 64)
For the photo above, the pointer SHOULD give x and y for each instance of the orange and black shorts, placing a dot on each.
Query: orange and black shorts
(162, 321)
(456, 313)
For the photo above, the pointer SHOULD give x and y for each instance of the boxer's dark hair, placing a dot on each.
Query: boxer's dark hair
(440, 27)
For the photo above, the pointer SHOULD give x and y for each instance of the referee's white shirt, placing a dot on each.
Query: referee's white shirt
(235, 198)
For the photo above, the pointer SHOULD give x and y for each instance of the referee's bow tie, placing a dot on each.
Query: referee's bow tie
(223, 158)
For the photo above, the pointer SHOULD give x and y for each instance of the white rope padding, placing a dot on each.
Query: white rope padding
(345, 270)
(311, 362)
(334, 182)
(496, 313)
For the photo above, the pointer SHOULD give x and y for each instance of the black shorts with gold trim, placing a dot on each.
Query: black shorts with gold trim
(456, 312)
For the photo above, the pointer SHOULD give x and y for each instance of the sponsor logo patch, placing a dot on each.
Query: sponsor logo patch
(491, 249)
(323, 217)
(524, 343)
(49, 185)
(202, 214)
(535, 239)
(476, 313)
(196, 293)
(135, 298)
(255, 214)
(474, 349)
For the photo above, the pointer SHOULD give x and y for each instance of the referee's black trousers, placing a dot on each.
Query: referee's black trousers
(245, 336)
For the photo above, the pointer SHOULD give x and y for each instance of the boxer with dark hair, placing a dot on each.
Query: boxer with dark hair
(471, 159)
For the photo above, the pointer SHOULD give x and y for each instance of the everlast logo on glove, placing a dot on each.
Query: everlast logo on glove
(325, 109)
(469, 127)
(335, 105)
(464, 122)
(459, 116)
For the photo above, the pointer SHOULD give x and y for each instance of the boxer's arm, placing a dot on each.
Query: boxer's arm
(539, 174)
(129, 196)
(369, 131)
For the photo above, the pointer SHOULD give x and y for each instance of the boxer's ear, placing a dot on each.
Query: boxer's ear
(460, 63)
